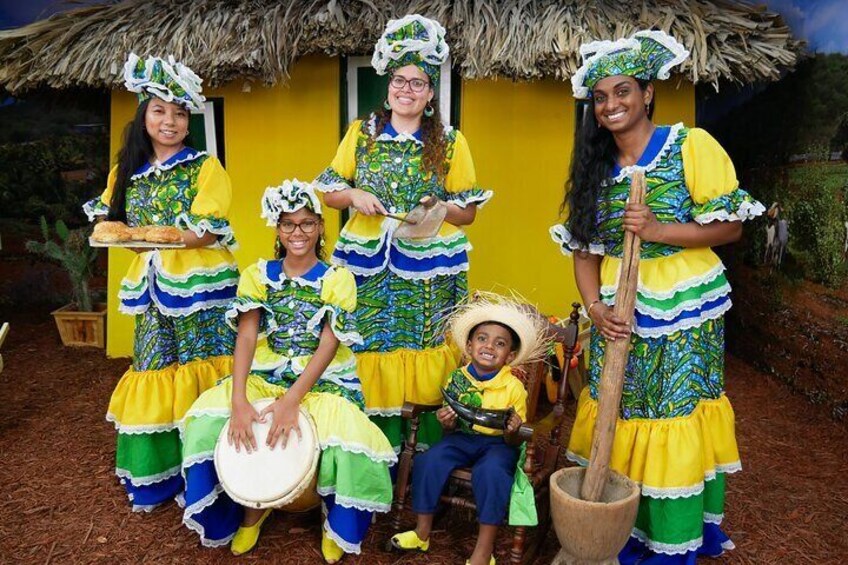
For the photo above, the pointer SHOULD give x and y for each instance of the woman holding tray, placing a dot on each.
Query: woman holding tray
(178, 296)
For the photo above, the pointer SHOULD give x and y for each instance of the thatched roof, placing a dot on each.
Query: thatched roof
(261, 39)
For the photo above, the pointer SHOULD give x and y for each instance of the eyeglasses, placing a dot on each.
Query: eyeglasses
(306, 226)
(415, 84)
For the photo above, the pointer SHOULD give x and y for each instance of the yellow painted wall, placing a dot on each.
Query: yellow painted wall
(520, 134)
(521, 137)
(270, 134)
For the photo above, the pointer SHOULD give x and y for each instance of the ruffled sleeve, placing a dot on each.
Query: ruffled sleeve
(712, 182)
(210, 207)
(568, 245)
(99, 207)
(461, 180)
(252, 294)
(338, 292)
(339, 175)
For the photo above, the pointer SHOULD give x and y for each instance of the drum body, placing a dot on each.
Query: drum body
(271, 478)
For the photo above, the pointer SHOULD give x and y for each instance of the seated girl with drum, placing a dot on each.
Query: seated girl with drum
(494, 332)
(295, 326)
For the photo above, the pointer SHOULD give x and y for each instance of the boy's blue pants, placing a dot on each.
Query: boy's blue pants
(493, 469)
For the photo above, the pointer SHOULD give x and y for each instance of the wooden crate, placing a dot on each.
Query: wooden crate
(81, 328)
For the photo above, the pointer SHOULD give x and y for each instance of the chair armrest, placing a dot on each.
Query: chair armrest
(411, 410)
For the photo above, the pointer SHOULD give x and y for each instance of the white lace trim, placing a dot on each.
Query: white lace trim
(729, 468)
(179, 312)
(747, 210)
(698, 280)
(359, 449)
(432, 253)
(196, 508)
(672, 492)
(479, 199)
(669, 492)
(188, 293)
(430, 273)
(334, 187)
(361, 271)
(713, 518)
(139, 429)
(667, 548)
(148, 480)
(90, 212)
(156, 263)
(357, 243)
(236, 308)
(383, 411)
(563, 238)
(158, 168)
(688, 323)
(350, 502)
(204, 226)
(344, 545)
(673, 132)
(314, 326)
(685, 306)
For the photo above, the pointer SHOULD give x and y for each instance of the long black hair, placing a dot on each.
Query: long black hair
(136, 150)
(280, 250)
(592, 161)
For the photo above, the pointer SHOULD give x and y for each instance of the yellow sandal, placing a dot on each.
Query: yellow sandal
(409, 541)
(247, 536)
(330, 549)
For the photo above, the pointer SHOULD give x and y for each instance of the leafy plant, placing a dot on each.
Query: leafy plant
(74, 255)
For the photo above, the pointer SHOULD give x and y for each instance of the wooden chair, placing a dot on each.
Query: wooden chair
(540, 463)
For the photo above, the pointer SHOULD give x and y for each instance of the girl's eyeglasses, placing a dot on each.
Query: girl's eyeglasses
(415, 84)
(306, 226)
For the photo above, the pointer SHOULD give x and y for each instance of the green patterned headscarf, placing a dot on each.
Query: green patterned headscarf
(411, 40)
(646, 55)
(166, 79)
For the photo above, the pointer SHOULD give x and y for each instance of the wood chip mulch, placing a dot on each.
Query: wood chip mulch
(61, 503)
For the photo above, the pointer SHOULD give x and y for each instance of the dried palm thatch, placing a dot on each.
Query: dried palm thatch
(260, 40)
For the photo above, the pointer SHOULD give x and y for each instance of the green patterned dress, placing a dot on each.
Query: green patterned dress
(406, 287)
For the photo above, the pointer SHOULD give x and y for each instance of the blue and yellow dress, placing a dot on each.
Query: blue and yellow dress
(182, 345)
(353, 471)
(675, 434)
(406, 287)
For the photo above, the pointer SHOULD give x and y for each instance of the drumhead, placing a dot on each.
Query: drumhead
(264, 478)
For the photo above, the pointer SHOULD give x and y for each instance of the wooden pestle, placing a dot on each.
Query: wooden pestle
(615, 360)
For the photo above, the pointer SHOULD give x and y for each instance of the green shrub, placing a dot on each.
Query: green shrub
(74, 254)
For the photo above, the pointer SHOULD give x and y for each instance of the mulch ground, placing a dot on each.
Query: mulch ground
(60, 502)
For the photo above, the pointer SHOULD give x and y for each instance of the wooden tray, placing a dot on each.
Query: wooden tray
(136, 244)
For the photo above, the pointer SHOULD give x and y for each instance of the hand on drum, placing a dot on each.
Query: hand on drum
(241, 426)
(284, 419)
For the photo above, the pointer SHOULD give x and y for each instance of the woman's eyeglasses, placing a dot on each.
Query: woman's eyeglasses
(306, 226)
(415, 84)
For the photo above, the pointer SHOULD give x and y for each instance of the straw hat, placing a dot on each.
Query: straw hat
(524, 320)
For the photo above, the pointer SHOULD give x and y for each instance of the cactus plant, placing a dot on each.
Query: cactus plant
(73, 253)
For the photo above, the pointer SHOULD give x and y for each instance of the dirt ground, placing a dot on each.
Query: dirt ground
(60, 502)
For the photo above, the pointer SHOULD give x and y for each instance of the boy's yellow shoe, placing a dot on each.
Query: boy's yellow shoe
(247, 536)
(330, 549)
(491, 561)
(409, 541)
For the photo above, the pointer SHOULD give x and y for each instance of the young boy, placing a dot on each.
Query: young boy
(494, 332)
